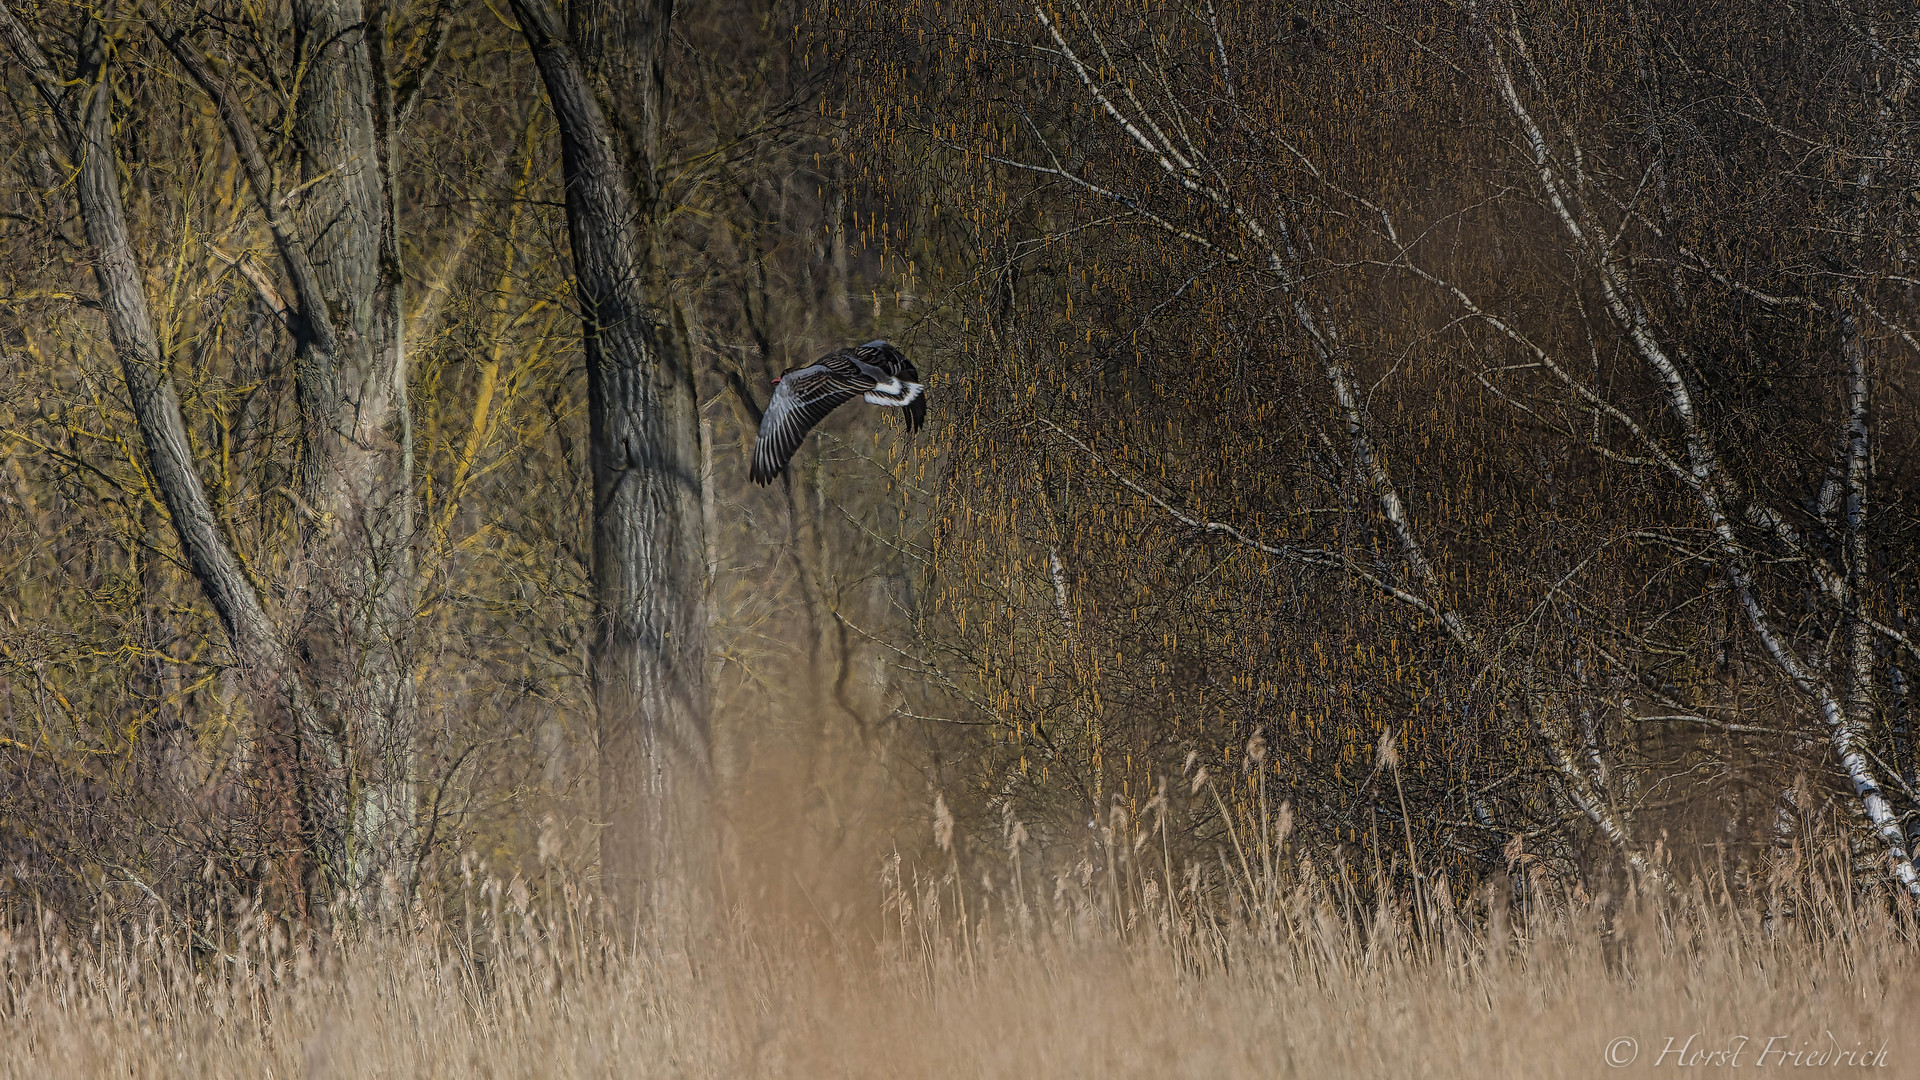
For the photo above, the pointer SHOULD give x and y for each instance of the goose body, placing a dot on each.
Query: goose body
(803, 396)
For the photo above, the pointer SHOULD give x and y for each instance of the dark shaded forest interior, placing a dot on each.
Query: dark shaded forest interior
(1430, 446)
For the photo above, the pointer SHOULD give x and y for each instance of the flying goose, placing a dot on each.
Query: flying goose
(803, 396)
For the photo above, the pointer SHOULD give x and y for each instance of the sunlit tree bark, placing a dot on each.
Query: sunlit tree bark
(359, 476)
(340, 668)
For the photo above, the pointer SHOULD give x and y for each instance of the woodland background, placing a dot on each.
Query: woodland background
(1478, 435)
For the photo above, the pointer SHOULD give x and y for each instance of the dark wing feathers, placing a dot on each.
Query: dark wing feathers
(916, 410)
(884, 356)
(802, 399)
(805, 395)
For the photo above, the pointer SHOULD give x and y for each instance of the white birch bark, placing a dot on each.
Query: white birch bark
(1183, 167)
(1706, 476)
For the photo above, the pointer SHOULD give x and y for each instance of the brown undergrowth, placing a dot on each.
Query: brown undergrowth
(1270, 965)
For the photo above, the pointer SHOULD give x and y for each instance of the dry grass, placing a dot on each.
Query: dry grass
(514, 987)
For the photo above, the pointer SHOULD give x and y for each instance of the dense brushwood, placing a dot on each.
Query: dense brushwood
(1462, 425)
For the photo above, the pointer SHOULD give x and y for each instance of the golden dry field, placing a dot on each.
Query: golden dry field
(1573, 988)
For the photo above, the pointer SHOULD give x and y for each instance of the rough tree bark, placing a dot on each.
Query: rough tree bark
(82, 110)
(648, 654)
(338, 684)
(359, 468)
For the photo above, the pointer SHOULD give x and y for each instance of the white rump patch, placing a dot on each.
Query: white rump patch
(894, 392)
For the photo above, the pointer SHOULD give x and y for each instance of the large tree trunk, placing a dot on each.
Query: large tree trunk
(359, 468)
(337, 687)
(649, 643)
(82, 108)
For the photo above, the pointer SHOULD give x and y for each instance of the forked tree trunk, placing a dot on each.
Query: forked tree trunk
(339, 732)
(82, 110)
(359, 467)
(649, 643)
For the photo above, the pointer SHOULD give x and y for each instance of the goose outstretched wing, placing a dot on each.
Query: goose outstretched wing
(802, 398)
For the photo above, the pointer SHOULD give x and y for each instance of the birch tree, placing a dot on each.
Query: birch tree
(1834, 669)
(1265, 288)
